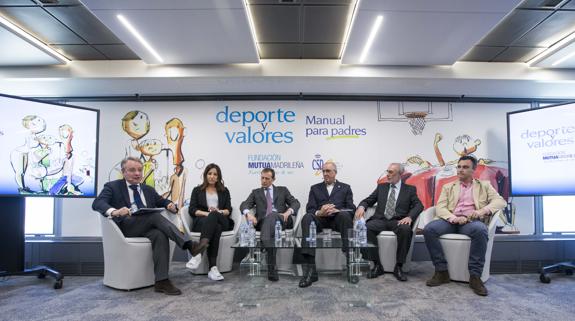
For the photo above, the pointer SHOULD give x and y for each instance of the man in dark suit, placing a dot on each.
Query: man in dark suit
(120, 196)
(397, 208)
(272, 204)
(330, 205)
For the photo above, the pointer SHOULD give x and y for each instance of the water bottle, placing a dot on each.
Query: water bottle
(278, 233)
(312, 234)
(362, 232)
(252, 235)
(244, 234)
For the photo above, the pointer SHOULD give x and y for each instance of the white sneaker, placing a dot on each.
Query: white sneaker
(194, 262)
(214, 274)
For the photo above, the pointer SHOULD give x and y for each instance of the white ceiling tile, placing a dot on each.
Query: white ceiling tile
(187, 36)
(162, 5)
(422, 32)
(485, 6)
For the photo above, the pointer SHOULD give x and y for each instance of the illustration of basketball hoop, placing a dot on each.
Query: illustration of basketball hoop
(416, 120)
(415, 113)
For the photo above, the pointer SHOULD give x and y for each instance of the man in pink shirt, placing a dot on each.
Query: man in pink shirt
(463, 207)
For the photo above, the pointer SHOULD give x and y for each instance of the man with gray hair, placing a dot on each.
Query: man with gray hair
(397, 208)
(119, 201)
(329, 205)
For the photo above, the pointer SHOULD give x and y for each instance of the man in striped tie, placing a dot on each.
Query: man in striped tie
(397, 208)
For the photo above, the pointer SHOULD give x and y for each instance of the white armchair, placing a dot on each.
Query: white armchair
(456, 248)
(387, 245)
(128, 262)
(227, 240)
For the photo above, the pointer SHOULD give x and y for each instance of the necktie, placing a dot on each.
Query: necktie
(137, 197)
(269, 202)
(390, 206)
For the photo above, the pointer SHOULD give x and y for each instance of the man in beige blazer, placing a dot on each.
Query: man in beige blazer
(464, 207)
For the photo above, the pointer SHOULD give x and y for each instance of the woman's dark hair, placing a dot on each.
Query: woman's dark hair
(219, 184)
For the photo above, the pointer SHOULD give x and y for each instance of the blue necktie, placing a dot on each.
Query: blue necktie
(137, 197)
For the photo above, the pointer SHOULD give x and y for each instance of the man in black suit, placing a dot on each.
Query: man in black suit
(272, 203)
(120, 196)
(397, 208)
(330, 205)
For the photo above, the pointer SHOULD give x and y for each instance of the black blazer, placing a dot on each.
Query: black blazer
(341, 196)
(407, 204)
(115, 195)
(198, 201)
(282, 201)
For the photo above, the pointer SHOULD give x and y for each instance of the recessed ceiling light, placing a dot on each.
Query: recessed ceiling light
(371, 38)
(138, 36)
(32, 40)
(553, 50)
(252, 26)
(348, 28)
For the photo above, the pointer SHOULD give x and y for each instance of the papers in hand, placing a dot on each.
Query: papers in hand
(143, 211)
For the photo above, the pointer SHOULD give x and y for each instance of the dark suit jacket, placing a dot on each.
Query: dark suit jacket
(341, 196)
(407, 203)
(115, 194)
(282, 201)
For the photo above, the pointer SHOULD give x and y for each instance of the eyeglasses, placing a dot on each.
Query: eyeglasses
(327, 170)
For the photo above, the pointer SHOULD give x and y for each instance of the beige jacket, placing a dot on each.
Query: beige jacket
(484, 196)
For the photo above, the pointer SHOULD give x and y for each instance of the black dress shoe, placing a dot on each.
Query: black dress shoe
(309, 277)
(398, 273)
(273, 274)
(166, 287)
(376, 271)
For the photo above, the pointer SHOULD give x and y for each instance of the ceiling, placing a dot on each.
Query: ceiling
(211, 32)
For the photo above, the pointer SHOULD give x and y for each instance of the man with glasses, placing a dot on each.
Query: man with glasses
(463, 207)
(330, 205)
(397, 208)
(119, 200)
(272, 204)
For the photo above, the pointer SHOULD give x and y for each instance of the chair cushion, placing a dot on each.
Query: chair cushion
(138, 240)
(386, 234)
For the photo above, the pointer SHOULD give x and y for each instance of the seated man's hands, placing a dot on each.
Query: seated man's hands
(405, 220)
(359, 213)
(252, 219)
(478, 214)
(461, 220)
(121, 212)
(172, 207)
(327, 210)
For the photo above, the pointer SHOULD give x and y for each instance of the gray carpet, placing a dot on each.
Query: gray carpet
(511, 297)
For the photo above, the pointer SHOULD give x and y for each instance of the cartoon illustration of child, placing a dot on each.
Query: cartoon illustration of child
(149, 149)
(20, 156)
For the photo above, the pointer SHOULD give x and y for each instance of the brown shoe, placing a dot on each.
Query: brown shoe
(439, 278)
(476, 284)
(166, 287)
(197, 248)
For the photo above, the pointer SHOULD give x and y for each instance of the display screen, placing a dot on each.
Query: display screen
(541, 146)
(48, 149)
